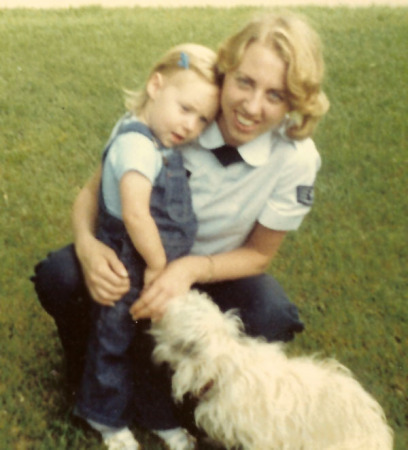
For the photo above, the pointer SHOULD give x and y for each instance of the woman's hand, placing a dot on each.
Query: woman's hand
(105, 275)
(176, 279)
(150, 275)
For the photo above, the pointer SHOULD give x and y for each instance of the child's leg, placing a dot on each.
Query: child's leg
(121, 383)
(107, 389)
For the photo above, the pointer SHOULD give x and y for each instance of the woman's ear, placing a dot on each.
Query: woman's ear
(154, 84)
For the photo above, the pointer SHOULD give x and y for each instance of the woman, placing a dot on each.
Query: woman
(271, 100)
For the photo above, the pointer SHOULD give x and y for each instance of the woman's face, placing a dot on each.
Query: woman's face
(253, 97)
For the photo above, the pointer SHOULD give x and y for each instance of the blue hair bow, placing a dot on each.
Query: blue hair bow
(184, 60)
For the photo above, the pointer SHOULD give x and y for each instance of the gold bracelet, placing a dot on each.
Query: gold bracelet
(211, 269)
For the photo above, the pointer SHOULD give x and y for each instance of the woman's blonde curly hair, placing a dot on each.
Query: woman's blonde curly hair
(300, 48)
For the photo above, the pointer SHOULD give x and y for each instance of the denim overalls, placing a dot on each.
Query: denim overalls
(109, 386)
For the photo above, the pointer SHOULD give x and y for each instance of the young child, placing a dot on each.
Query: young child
(145, 215)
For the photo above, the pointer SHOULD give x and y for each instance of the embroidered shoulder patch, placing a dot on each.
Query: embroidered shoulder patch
(305, 195)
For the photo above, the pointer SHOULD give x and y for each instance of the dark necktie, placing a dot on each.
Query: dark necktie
(227, 154)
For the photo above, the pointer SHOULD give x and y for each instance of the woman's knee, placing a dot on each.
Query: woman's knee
(263, 305)
(275, 321)
(58, 278)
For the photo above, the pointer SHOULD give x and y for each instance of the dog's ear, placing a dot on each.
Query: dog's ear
(185, 348)
(173, 349)
(190, 376)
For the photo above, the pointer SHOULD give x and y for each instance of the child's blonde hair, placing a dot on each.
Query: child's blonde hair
(300, 48)
(195, 57)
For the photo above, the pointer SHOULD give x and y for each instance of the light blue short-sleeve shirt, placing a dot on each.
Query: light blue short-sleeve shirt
(129, 152)
(273, 186)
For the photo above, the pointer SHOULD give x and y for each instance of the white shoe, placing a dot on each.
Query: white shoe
(177, 439)
(121, 440)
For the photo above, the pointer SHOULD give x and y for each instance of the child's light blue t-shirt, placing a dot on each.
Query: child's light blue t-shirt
(128, 152)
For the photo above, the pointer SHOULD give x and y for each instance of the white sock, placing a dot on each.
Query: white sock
(167, 434)
(176, 438)
(105, 430)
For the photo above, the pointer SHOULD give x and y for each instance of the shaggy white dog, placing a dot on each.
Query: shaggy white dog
(252, 396)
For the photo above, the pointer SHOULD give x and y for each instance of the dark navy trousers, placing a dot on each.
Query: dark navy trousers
(263, 305)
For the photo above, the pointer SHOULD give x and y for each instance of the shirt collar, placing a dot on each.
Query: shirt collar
(255, 153)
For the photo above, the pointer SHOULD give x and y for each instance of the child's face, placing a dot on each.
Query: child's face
(253, 98)
(181, 105)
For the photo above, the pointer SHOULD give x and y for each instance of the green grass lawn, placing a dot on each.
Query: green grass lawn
(61, 80)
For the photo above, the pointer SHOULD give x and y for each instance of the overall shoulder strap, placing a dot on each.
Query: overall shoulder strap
(137, 127)
(133, 126)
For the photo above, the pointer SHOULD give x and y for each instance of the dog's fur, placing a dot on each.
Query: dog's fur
(252, 396)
